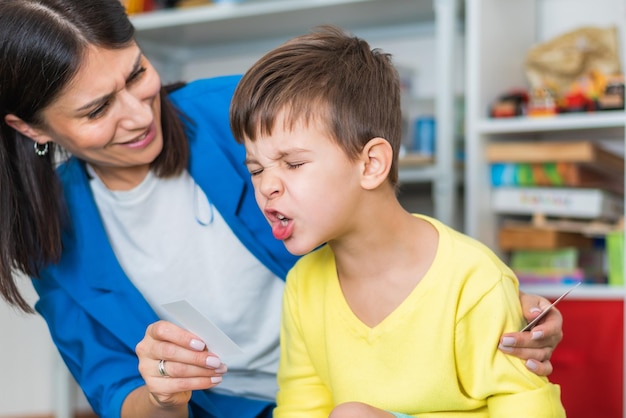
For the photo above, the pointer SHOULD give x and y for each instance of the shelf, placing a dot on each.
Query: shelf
(220, 24)
(418, 174)
(584, 292)
(415, 160)
(416, 168)
(563, 122)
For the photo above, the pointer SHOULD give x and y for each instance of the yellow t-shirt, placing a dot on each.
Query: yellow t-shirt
(435, 355)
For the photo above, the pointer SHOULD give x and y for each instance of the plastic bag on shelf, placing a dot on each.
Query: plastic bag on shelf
(558, 63)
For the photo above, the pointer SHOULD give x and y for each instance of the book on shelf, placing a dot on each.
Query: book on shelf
(615, 257)
(569, 174)
(546, 267)
(530, 237)
(567, 202)
(583, 153)
(555, 278)
(558, 266)
(557, 260)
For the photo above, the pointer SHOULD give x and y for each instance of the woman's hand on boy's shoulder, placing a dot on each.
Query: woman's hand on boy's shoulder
(537, 345)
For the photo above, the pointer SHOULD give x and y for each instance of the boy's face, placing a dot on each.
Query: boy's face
(304, 183)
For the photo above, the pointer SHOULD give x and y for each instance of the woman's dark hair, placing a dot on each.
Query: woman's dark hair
(42, 46)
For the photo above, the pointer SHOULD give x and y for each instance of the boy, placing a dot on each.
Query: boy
(390, 311)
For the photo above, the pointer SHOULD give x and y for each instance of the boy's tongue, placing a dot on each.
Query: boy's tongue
(282, 230)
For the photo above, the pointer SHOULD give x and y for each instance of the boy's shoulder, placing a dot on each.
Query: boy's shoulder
(469, 253)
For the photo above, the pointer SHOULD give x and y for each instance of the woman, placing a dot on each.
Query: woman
(152, 203)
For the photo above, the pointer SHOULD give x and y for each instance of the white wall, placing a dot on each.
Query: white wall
(26, 359)
(33, 380)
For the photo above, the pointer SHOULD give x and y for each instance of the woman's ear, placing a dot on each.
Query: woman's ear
(27, 130)
(377, 156)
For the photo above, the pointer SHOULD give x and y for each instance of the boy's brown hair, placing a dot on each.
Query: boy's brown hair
(327, 75)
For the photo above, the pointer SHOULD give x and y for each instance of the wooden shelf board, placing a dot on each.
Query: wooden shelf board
(586, 153)
(411, 160)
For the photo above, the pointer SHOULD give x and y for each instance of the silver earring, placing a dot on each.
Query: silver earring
(41, 149)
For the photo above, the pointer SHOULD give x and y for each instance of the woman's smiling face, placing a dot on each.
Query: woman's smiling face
(109, 115)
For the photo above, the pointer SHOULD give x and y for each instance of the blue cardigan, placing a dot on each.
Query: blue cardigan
(95, 314)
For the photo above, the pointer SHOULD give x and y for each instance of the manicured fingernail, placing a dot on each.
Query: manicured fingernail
(535, 310)
(197, 345)
(505, 348)
(213, 362)
(508, 341)
(536, 335)
(531, 365)
(216, 379)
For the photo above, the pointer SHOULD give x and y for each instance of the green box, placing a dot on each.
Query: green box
(615, 257)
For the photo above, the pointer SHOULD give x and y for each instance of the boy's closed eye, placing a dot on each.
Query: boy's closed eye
(295, 165)
(255, 170)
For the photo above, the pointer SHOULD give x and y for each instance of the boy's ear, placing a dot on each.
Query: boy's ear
(27, 130)
(377, 156)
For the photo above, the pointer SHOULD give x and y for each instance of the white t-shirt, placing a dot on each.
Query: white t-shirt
(173, 244)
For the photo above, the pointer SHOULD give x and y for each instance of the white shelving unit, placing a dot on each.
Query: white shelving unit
(499, 33)
(176, 37)
(495, 63)
(180, 35)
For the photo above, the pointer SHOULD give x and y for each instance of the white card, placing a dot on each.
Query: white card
(191, 319)
(534, 322)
